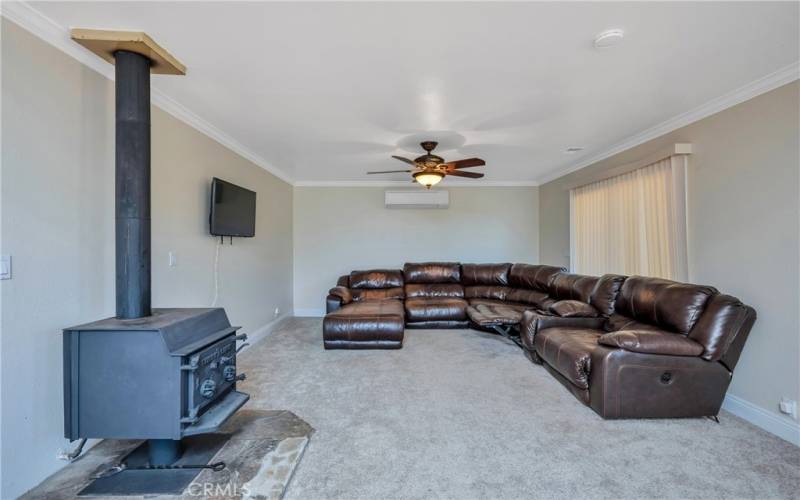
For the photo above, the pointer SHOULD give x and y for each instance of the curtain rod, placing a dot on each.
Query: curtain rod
(680, 148)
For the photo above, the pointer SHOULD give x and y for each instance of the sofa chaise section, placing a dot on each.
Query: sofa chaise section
(365, 311)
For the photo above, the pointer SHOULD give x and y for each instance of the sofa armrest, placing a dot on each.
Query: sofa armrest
(535, 321)
(625, 384)
(652, 342)
(573, 309)
(337, 297)
(342, 293)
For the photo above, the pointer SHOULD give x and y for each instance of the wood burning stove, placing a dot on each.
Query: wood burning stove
(164, 376)
(154, 374)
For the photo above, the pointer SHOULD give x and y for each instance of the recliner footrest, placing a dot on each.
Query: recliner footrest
(494, 315)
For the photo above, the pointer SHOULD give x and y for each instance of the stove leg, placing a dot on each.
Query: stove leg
(163, 451)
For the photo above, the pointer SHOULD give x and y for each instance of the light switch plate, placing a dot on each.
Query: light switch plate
(173, 259)
(5, 267)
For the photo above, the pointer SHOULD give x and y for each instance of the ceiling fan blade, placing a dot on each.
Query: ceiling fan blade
(390, 171)
(469, 162)
(410, 162)
(471, 175)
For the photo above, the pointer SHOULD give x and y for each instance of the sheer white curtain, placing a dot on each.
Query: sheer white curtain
(634, 223)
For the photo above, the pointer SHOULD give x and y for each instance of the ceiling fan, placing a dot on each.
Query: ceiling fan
(429, 168)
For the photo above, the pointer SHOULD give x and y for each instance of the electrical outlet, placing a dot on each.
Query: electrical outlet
(788, 406)
(5, 267)
(277, 311)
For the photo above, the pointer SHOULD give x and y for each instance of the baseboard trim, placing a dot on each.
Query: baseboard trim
(765, 419)
(264, 331)
(309, 313)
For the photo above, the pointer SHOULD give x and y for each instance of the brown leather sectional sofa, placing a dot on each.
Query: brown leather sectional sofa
(628, 347)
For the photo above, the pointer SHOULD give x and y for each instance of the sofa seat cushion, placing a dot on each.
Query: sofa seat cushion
(371, 321)
(568, 351)
(436, 309)
(495, 314)
(653, 342)
(534, 321)
(390, 307)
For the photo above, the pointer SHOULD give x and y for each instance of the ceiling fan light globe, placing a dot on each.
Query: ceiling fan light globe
(428, 179)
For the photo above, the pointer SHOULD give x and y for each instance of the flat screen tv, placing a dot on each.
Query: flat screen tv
(233, 210)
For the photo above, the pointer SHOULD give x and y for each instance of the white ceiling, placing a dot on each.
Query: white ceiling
(327, 91)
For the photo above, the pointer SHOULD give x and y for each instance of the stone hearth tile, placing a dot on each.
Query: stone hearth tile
(261, 456)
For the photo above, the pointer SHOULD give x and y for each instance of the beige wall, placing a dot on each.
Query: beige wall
(337, 230)
(58, 224)
(743, 202)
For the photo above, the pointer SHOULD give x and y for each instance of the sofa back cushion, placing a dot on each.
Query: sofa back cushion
(376, 279)
(532, 277)
(667, 304)
(605, 292)
(364, 294)
(485, 274)
(540, 300)
(616, 322)
(432, 272)
(723, 328)
(566, 286)
(434, 290)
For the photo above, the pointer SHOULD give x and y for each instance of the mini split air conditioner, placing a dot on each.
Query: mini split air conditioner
(417, 198)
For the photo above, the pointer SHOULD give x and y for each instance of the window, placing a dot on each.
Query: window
(634, 223)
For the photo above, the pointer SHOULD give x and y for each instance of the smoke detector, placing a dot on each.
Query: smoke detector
(608, 38)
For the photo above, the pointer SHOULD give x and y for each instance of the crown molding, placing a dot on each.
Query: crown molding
(30, 19)
(444, 184)
(753, 89)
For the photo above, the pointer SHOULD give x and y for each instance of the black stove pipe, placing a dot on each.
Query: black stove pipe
(132, 206)
(132, 202)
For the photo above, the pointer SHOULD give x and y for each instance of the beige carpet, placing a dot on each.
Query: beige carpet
(464, 415)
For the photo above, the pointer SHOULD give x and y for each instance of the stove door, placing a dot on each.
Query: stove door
(211, 375)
